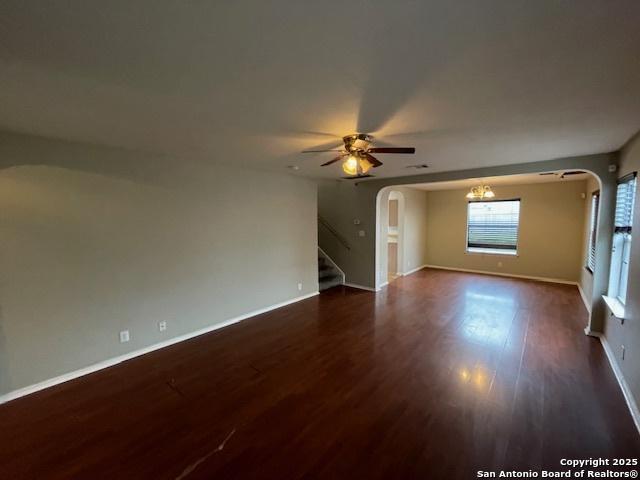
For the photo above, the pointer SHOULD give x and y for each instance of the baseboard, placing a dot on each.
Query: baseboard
(587, 304)
(591, 333)
(626, 391)
(498, 274)
(136, 353)
(414, 270)
(361, 287)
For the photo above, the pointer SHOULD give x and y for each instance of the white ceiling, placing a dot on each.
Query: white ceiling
(523, 179)
(253, 83)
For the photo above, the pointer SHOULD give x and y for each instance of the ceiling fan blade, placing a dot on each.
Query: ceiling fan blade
(373, 160)
(339, 157)
(392, 150)
(317, 134)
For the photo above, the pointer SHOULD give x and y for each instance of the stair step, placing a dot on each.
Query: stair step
(325, 284)
(328, 274)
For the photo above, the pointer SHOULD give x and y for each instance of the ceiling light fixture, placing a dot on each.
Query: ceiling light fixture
(356, 165)
(480, 192)
(350, 165)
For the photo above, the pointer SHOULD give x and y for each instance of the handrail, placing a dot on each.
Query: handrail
(334, 232)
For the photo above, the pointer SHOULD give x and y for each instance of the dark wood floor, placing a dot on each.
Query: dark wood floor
(436, 376)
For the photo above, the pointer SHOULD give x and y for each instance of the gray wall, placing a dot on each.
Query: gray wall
(98, 240)
(341, 203)
(628, 333)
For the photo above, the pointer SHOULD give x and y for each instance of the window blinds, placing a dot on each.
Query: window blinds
(625, 199)
(493, 224)
(595, 204)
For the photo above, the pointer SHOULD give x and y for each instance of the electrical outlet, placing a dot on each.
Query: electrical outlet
(622, 351)
(124, 336)
(162, 326)
(300, 287)
(361, 233)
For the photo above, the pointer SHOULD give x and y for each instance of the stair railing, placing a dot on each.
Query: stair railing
(343, 241)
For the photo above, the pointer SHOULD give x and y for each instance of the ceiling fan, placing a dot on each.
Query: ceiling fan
(357, 150)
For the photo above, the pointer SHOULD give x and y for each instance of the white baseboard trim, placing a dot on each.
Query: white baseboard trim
(590, 333)
(498, 274)
(624, 386)
(417, 269)
(21, 392)
(361, 287)
(587, 304)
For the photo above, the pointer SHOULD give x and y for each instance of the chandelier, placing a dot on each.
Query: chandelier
(480, 192)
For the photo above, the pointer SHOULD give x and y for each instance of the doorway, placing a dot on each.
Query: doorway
(390, 207)
(393, 265)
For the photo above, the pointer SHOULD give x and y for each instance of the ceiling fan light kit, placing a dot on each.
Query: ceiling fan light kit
(356, 154)
(350, 165)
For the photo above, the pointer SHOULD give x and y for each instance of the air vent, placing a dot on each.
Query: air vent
(565, 174)
(418, 166)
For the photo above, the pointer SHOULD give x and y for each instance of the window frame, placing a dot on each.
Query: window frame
(621, 244)
(594, 218)
(494, 251)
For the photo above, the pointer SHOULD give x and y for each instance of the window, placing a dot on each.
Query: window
(492, 227)
(621, 252)
(593, 228)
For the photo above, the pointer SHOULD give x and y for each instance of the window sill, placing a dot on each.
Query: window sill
(487, 251)
(615, 306)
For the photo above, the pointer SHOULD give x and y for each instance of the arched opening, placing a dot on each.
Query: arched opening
(390, 220)
(395, 235)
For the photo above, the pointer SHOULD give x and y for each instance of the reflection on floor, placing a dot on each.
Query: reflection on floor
(436, 376)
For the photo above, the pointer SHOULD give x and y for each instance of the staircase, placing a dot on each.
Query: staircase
(329, 275)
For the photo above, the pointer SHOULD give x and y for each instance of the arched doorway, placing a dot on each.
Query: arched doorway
(390, 236)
